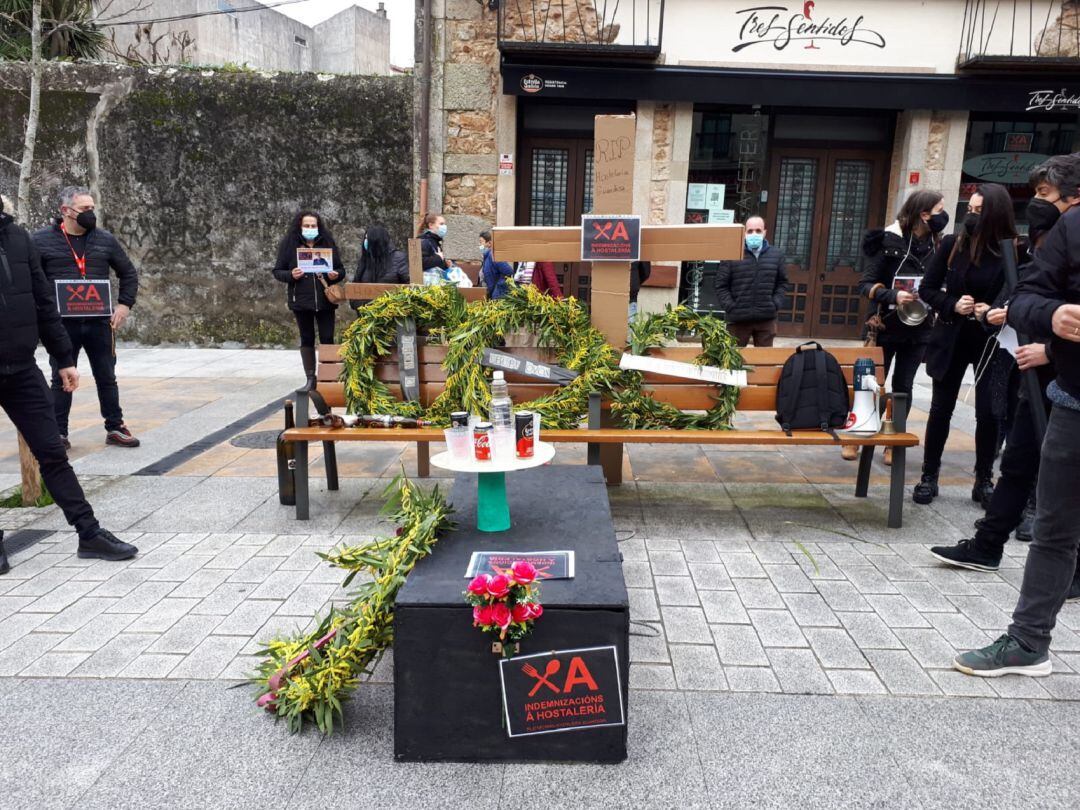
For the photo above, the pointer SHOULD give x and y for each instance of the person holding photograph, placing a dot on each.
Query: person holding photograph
(306, 292)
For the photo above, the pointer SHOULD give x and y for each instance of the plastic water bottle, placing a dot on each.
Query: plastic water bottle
(502, 418)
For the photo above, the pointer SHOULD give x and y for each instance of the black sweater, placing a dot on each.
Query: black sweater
(1054, 280)
(27, 304)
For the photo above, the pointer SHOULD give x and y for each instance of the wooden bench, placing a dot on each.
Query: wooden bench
(606, 443)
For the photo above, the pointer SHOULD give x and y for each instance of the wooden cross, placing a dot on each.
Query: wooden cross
(613, 184)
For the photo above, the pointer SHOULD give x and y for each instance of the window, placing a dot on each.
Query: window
(300, 41)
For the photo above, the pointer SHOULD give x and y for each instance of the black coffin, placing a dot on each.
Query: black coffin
(447, 698)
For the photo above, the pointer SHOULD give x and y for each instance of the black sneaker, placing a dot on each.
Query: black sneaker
(121, 437)
(5, 566)
(983, 491)
(106, 546)
(968, 554)
(926, 490)
(1027, 522)
(1072, 596)
(64, 440)
(1006, 656)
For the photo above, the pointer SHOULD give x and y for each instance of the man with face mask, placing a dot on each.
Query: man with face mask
(1012, 503)
(72, 248)
(28, 313)
(753, 289)
(1047, 305)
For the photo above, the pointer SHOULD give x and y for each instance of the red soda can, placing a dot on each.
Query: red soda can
(482, 441)
(523, 433)
(459, 419)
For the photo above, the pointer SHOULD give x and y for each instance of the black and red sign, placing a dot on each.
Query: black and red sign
(84, 298)
(564, 690)
(610, 238)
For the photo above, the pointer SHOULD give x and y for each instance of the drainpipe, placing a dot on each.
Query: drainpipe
(425, 107)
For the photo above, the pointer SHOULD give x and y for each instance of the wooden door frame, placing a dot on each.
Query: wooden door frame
(823, 206)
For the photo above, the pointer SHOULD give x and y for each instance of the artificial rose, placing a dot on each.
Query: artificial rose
(498, 586)
(500, 615)
(479, 585)
(523, 573)
(536, 609)
(521, 612)
(482, 615)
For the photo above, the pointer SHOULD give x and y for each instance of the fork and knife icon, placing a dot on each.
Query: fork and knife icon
(542, 680)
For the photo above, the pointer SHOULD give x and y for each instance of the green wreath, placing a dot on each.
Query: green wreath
(633, 409)
(562, 324)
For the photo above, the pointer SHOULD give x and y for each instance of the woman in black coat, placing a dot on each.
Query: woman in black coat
(432, 233)
(905, 248)
(961, 284)
(380, 262)
(307, 291)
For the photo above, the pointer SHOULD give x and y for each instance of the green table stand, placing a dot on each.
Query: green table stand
(492, 510)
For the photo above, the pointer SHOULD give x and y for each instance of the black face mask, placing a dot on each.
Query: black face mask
(87, 220)
(938, 221)
(971, 222)
(1041, 216)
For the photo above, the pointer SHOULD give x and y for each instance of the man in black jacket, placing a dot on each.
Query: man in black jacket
(1047, 305)
(752, 290)
(28, 311)
(74, 247)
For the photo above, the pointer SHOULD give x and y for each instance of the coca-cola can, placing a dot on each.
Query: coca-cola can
(482, 441)
(523, 434)
(459, 419)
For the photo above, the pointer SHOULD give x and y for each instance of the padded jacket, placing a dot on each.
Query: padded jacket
(754, 287)
(305, 294)
(103, 252)
(887, 254)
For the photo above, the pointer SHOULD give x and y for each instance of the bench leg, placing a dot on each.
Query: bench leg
(303, 504)
(330, 461)
(862, 481)
(611, 459)
(592, 450)
(896, 488)
(423, 459)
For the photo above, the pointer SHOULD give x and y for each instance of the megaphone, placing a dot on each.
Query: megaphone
(864, 419)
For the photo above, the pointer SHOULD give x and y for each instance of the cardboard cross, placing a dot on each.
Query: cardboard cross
(613, 178)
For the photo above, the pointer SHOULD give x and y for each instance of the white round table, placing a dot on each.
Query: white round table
(492, 509)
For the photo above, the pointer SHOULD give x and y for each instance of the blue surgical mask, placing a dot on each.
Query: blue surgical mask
(754, 241)
(311, 234)
(365, 244)
(485, 250)
(441, 231)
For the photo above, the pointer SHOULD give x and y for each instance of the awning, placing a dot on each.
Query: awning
(1013, 93)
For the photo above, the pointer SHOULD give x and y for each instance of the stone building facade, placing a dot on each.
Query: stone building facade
(821, 117)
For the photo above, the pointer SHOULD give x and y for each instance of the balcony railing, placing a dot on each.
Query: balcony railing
(1020, 34)
(628, 28)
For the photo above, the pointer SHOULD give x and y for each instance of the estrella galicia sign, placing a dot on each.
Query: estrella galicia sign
(613, 238)
(84, 297)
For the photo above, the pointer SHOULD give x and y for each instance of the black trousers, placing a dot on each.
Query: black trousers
(907, 357)
(1019, 470)
(95, 335)
(307, 320)
(25, 398)
(969, 350)
(1051, 562)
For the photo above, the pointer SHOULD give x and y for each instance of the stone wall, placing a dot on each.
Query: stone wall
(199, 172)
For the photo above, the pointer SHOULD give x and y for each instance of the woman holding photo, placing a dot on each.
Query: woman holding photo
(307, 291)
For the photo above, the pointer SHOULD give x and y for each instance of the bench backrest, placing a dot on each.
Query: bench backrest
(759, 395)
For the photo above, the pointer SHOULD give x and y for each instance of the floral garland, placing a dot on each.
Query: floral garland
(506, 606)
(305, 678)
(634, 410)
(562, 324)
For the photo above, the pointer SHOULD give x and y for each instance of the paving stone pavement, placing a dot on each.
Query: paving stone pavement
(787, 649)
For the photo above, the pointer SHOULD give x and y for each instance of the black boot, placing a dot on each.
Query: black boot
(927, 488)
(307, 357)
(5, 566)
(983, 490)
(1027, 520)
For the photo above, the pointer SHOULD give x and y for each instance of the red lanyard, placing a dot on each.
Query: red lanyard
(80, 261)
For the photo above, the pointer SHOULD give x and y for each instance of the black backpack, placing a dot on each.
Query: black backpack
(812, 393)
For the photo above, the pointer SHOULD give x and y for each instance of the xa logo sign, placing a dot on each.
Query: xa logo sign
(83, 292)
(576, 673)
(611, 231)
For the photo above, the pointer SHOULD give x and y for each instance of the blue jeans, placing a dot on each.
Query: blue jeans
(96, 336)
(1051, 562)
